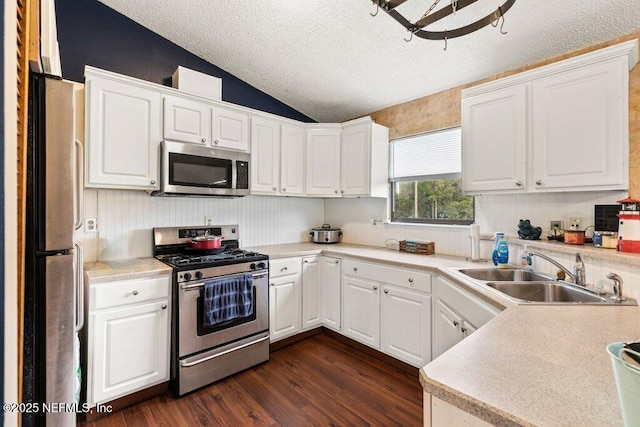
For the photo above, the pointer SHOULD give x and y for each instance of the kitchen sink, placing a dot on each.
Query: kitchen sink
(505, 275)
(545, 291)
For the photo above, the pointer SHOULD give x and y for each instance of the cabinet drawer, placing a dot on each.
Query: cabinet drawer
(125, 292)
(284, 266)
(408, 278)
(473, 308)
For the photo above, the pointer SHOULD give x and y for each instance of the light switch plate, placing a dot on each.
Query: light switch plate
(208, 220)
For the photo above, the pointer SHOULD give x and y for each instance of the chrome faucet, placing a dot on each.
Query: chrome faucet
(617, 287)
(578, 276)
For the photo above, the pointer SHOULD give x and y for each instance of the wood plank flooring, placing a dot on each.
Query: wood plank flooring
(314, 382)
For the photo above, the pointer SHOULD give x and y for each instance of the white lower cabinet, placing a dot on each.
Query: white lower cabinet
(388, 308)
(285, 281)
(457, 314)
(128, 337)
(321, 292)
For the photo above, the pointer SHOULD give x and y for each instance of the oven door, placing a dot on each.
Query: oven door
(198, 170)
(194, 337)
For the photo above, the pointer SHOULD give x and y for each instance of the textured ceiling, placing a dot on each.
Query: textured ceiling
(332, 61)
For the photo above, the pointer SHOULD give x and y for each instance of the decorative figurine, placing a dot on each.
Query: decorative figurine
(528, 232)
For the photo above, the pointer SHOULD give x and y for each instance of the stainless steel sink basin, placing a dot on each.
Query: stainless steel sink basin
(505, 275)
(548, 292)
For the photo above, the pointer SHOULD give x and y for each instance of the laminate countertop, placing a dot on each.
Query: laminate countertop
(135, 268)
(530, 365)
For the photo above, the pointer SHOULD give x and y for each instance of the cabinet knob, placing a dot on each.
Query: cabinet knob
(284, 269)
(464, 330)
(215, 142)
(275, 188)
(375, 288)
(455, 323)
(337, 261)
(306, 261)
(538, 182)
(203, 140)
(386, 291)
(355, 268)
(342, 191)
(335, 191)
(284, 189)
(519, 183)
(272, 284)
(153, 182)
(410, 279)
(135, 292)
(164, 306)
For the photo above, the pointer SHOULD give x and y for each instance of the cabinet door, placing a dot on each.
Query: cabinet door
(292, 161)
(312, 284)
(331, 292)
(580, 129)
(230, 129)
(265, 162)
(494, 141)
(186, 120)
(284, 306)
(122, 118)
(361, 302)
(356, 160)
(406, 325)
(446, 328)
(323, 162)
(130, 349)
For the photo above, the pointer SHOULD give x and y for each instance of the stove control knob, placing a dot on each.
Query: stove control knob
(261, 266)
(187, 276)
(252, 267)
(198, 274)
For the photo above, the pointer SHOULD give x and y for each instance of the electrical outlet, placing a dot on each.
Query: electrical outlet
(555, 225)
(90, 225)
(208, 220)
(575, 224)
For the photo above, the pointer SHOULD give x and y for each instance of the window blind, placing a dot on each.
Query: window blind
(434, 155)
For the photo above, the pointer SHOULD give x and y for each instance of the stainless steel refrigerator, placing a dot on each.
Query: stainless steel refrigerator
(53, 278)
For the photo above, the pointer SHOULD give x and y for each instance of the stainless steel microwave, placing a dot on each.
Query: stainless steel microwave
(195, 170)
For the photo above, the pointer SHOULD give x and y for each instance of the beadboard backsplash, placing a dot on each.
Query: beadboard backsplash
(126, 219)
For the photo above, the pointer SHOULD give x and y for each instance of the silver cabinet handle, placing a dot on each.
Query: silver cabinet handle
(79, 188)
(519, 183)
(386, 291)
(275, 188)
(306, 261)
(215, 142)
(375, 288)
(135, 292)
(335, 191)
(284, 188)
(153, 182)
(355, 268)
(284, 269)
(539, 182)
(342, 191)
(337, 261)
(455, 323)
(164, 306)
(464, 330)
(79, 288)
(410, 279)
(203, 140)
(273, 284)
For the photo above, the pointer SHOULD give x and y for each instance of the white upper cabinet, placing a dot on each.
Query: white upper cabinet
(364, 159)
(265, 161)
(277, 161)
(323, 161)
(187, 120)
(121, 117)
(230, 129)
(494, 136)
(560, 127)
(292, 160)
(580, 128)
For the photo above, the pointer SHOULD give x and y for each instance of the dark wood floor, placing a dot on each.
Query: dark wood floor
(317, 381)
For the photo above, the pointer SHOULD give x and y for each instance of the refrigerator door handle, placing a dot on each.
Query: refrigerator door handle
(79, 286)
(78, 187)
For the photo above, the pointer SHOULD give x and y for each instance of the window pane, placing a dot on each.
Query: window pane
(441, 200)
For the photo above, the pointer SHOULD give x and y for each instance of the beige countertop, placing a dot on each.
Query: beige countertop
(136, 268)
(537, 365)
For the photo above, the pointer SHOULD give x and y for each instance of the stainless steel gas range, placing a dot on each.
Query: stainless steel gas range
(220, 305)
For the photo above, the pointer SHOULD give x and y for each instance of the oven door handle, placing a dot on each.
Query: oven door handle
(185, 364)
(192, 286)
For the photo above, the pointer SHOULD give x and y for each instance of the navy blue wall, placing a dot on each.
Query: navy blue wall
(91, 33)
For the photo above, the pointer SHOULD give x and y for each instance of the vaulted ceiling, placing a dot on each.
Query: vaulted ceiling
(333, 61)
